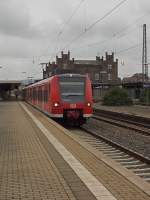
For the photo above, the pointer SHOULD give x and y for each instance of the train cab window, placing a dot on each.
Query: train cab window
(72, 89)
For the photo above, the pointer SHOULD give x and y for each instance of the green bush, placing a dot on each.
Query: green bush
(117, 97)
(145, 96)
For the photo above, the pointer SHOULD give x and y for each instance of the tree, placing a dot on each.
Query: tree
(145, 96)
(117, 97)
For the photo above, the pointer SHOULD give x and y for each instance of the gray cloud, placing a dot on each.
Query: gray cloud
(14, 18)
(30, 29)
(16, 21)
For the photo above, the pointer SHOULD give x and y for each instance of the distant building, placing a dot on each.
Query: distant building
(103, 72)
(136, 78)
(99, 70)
(135, 85)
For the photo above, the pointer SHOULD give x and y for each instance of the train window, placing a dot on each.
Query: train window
(72, 89)
(36, 96)
(39, 94)
(34, 93)
(49, 90)
(31, 93)
(96, 76)
(45, 95)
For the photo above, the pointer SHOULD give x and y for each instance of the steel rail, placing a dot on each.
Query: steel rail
(127, 121)
(118, 146)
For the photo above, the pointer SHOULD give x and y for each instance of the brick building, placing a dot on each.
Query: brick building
(103, 72)
(99, 70)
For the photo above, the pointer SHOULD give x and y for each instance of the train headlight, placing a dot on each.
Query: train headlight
(56, 104)
(88, 104)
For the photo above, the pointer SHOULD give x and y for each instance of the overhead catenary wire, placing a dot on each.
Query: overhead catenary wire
(131, 47)
(70, 18)
(115, 35)
(93, 24)
(65, 24)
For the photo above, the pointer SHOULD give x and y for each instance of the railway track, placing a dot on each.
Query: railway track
(131, 160)
(135, 123)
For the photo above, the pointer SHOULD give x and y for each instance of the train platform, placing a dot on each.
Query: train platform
(136, 110)
(40, 160)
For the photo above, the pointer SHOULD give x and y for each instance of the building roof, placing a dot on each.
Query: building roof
(138, 77)
(86, 62)
(10, 82)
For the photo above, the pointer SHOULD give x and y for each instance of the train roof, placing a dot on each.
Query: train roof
(50, 78)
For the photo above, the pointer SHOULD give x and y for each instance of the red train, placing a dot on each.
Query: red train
(66, 96)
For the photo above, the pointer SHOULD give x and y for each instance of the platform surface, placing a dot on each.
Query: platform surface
(26, 170)
(41, 167)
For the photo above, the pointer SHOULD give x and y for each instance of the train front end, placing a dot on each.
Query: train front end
(75, 98)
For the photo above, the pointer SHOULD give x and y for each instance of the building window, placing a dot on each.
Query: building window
(96, 76)
(103, 72)
(109, 77)
(109, 66)
(103, 75)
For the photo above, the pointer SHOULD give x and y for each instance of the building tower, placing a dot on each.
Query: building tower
(144, 55)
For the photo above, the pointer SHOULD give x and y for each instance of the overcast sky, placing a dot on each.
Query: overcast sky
(34, 31)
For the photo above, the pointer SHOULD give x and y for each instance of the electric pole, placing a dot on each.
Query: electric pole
(144, 55)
